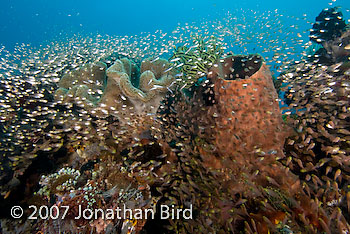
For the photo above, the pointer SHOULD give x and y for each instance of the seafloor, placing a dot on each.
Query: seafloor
(243, 123)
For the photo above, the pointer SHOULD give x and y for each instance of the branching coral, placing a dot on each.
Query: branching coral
(104, 185)
(58, 183)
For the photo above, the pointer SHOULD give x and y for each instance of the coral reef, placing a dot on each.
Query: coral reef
(329, 37)
(332, 51)
(84, 84)
(337, 49)
(78, 93)
(59, 183)
(248, 185)
(200, 131)
(91, 75)
(102, 182)
(193, 62)
(123, 90)
(238, 174)
(319, 149)
(329, 25)
(246, 107)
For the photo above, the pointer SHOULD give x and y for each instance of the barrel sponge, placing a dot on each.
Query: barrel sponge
(249, 119)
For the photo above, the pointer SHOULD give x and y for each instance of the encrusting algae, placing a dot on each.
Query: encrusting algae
(134, 123)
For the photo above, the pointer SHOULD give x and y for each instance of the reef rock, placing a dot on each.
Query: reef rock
(329, 25)
(338, 49)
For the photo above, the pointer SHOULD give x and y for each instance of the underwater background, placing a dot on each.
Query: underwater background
(38, 21)
(235, 115)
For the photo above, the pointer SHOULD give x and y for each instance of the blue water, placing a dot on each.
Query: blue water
(39, 21)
